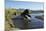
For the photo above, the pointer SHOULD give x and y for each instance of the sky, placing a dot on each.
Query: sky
(24, 5)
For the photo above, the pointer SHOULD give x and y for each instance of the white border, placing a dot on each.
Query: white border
(2, 14)
(44, 15)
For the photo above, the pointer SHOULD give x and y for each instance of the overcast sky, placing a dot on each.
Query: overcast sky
(24, 4)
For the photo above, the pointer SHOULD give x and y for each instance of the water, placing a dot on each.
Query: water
(37, 14)
(35, 23)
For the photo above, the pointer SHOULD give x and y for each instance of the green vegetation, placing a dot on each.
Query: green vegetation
(8, 21)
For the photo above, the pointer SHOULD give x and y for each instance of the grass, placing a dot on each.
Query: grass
(8, 21)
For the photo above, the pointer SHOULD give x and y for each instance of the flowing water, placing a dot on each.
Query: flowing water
(35, 23)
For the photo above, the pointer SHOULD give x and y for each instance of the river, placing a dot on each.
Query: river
(35, 23)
